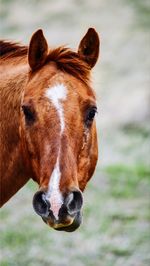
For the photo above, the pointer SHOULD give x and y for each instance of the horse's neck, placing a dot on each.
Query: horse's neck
(13, 172)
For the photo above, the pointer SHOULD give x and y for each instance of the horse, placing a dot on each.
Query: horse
(48, 130)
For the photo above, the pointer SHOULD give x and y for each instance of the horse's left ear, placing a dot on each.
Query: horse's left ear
(89, 47)
(38, 50)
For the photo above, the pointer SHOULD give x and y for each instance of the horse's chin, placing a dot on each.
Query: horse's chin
(67, 228)
(72, 227)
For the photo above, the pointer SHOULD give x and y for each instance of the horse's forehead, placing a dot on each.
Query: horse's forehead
(58, 86)
(62, 83)
(56, 92)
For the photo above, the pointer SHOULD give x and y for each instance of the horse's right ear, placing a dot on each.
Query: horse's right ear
(89, 47)
(38, 50)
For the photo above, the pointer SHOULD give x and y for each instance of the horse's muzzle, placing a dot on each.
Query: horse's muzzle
(69, 217)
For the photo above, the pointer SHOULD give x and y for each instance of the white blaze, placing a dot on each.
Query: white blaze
(56, 95)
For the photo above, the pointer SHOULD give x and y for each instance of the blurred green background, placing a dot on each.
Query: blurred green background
(116, 225)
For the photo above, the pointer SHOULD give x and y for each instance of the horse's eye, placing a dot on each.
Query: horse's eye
(29, 114)
(90, 115)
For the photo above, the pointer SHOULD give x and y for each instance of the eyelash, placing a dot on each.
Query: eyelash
(29, 114)
(90, 115)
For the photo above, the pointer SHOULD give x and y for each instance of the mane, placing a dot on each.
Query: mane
(67, 60)
(9, 49)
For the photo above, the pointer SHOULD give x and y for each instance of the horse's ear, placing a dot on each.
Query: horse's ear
(89, 47)
(38, 50)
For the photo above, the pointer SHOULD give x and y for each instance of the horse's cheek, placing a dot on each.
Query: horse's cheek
(83, 169)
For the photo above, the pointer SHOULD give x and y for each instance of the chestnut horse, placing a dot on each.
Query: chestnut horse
(48, 131)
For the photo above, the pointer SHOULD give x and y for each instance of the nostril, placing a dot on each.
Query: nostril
(74, 202)
(40, 204)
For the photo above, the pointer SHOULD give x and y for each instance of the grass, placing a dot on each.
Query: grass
(126, 181)
(142, 9)
(138, 130)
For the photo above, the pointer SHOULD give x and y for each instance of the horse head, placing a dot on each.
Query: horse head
(58, 130)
